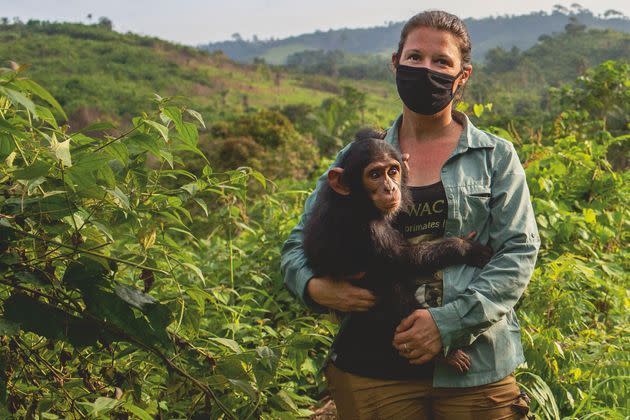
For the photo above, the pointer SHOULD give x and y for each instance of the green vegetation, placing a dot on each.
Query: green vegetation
(520, 31)
(518, 81)
(98, 74)
(139, 261)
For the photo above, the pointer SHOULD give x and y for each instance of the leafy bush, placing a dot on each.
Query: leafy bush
(133, 284)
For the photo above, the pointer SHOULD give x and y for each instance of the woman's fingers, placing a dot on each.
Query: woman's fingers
(407, 323)
(421, 360)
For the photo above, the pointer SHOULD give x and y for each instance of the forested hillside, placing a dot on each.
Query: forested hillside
(487, 33)
(95, 73)
(146, 190)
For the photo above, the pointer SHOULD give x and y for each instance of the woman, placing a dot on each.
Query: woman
(482, 182)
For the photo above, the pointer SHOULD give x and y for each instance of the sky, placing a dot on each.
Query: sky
(194, 22)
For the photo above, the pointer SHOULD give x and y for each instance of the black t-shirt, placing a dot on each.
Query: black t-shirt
(364, 343)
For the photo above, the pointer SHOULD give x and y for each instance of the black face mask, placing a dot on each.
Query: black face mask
(425, 91)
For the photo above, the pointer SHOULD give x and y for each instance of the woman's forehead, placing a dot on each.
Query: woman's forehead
(427, 39)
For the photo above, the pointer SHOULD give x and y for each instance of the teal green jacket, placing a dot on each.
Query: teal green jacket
(487, 193)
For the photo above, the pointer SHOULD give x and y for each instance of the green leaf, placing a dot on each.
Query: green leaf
(35, 170)
(83, 272)
(18, 98)
(202, 204)
(47, 116)
(478, 110)
(54, 207)
(37, 278)
(118, 151)
(197, 116)
(175, 115)
(49, 321)
(245, 386)
(260, 178)
(98, 126)
(61, 150)
(231, 344)
(8, 327)
(101, 406)
(159, 127)
(36, 89)
(120, 198)
(141, 142)
(189, 134)
(197, 271)
(7, 145)
(137, 411)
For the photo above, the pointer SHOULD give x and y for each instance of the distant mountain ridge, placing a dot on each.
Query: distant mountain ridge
(486, 33)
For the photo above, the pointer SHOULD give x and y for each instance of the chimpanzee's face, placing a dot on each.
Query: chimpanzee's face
(382, 179)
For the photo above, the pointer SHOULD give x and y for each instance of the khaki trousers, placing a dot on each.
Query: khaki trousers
(358, 397)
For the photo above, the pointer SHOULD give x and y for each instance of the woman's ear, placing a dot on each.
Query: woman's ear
(394, 61)
(467, 73)
(405, 161)
(336, 183)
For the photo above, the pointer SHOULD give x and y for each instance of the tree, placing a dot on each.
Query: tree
(574, 26)
(613, 13)
(105, 22)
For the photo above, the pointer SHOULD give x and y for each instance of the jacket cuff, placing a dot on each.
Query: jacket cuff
(304, 275)
(449, 323)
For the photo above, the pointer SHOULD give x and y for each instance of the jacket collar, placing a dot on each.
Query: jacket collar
(471, 138)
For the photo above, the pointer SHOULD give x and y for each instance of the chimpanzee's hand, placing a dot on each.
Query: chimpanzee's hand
(340, 295)
(459, 360)
(477, 254)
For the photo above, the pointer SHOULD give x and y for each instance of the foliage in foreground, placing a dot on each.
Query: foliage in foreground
(115, 304)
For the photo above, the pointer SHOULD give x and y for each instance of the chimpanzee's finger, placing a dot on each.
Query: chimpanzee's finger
(357, 276)
(362, 305)
(471, 235)
(405, 159)
(358, 293)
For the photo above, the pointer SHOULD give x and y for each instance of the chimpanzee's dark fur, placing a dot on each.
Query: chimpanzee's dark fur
(346, 235)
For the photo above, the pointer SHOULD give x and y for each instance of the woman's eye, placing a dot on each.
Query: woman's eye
(414, 57)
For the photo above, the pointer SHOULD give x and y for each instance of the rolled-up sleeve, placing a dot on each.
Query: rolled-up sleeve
(497, 287)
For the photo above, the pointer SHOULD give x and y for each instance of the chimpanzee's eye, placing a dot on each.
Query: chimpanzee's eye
(374, 174)
(393, 171)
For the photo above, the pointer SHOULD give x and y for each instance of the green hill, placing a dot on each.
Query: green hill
(97, 73)
(518, 81)
(487, 33)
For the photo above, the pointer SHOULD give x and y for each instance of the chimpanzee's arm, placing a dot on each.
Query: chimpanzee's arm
(391, 246)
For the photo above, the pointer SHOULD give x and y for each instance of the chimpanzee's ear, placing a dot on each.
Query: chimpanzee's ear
(336, 183)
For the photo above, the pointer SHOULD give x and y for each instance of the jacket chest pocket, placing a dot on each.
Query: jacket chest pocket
(474, 206)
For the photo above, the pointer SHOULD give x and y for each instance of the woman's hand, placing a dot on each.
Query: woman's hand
(340, 295)
(417, 337)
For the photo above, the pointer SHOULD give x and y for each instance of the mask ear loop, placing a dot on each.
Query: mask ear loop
(459, 86)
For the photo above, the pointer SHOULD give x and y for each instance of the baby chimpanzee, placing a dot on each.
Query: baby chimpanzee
(350, 230)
